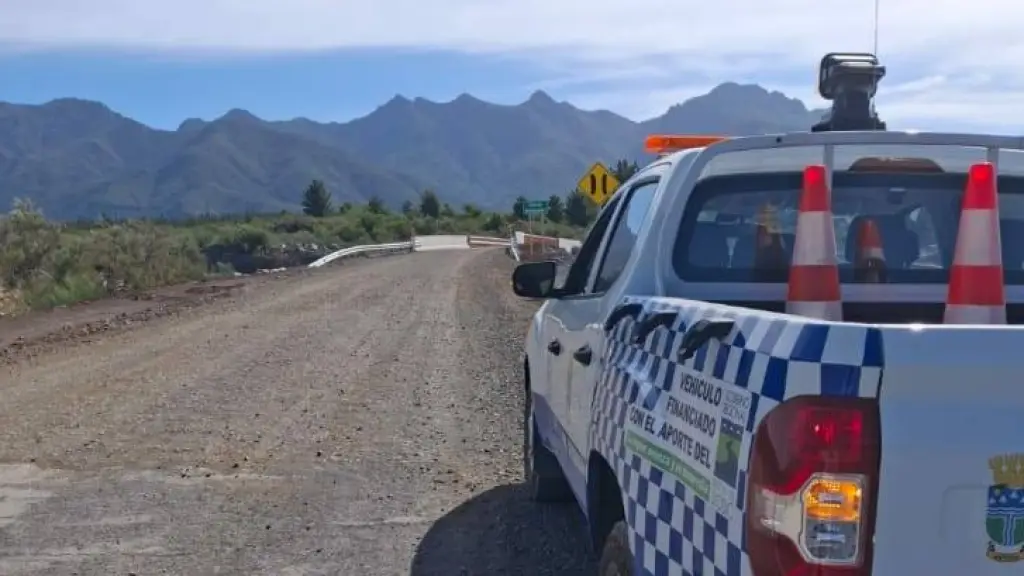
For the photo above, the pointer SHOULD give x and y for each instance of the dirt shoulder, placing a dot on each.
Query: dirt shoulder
(40, 332)
(362, 420)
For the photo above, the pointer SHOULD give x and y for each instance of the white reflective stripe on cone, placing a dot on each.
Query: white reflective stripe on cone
(815, 240)
(977, 242)
(875, 253)
(966, 314)
(820, 310)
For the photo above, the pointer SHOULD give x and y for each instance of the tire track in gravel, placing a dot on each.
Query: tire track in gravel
(363, 420)
(499, 530)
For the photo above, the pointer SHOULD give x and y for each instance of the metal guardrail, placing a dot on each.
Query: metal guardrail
(474, 240)
(414, 244)
(395, 247)
(512, 250)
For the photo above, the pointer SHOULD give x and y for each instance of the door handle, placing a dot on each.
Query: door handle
(621, 312)
(700, 333)
(555, 347)
(583, 355)
(651, 323)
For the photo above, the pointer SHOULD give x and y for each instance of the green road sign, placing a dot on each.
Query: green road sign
(536, 207)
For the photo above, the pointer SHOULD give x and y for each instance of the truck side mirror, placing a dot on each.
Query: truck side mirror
(534, 279)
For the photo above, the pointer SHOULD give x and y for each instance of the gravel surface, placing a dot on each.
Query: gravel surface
(362, 420)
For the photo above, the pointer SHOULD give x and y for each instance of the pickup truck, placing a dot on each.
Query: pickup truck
(726, 385)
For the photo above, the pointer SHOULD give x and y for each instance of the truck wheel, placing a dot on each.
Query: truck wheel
(616, 559)
(540, 467)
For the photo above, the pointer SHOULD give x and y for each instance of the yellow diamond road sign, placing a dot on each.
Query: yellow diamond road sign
(598, 184)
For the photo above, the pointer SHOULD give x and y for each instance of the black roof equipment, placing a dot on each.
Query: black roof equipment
(849, 80)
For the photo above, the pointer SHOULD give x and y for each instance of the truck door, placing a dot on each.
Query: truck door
(584, 317)
(551, 402)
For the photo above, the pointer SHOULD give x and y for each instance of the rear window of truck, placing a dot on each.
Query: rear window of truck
(916, 215)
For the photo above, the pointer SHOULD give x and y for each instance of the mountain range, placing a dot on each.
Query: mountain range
(80, 159)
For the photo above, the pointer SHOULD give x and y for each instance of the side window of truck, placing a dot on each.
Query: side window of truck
(579, 272)
(624, 235)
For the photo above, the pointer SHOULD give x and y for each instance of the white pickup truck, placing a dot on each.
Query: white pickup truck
(703, 430)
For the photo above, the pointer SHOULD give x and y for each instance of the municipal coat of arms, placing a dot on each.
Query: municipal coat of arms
(1004, 518)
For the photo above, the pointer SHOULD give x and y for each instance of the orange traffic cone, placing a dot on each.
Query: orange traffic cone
(976, 292)
(814, 274)
(870, 264)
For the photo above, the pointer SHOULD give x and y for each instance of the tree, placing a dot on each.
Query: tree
(447, 211)
(376, 205)
(555, 209)
(430, 206)
(624, 170)
(470, 210)
(494, 223)
(408, 207)
(576, 212)
(316, 200)
(519, 208)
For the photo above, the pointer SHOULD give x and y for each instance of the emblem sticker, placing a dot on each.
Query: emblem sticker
(1004, 518)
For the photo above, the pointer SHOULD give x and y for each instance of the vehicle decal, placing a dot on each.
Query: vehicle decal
(677, 433)
(1004, 516)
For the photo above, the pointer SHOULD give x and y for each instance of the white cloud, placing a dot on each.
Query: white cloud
(955, 63)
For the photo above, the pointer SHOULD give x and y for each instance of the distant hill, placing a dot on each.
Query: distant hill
(77, 158)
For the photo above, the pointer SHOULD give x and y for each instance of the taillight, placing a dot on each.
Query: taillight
(813, 475)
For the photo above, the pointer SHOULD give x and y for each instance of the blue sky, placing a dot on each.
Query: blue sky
(335, 85)
(162, 62)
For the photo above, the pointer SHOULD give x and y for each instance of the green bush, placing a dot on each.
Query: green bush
(46, 264)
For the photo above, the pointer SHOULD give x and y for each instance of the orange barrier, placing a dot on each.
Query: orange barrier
(536, 248)
(485, 241)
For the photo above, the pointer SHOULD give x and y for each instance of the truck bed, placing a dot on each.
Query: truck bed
(882, 312)
(949, 400)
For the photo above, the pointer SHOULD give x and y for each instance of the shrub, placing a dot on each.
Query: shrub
(45, 264)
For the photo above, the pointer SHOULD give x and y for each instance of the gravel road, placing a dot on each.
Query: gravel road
(363, 420)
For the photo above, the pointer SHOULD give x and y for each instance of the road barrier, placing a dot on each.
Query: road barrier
(484, 241)
(513, 251)
(368, 249)
(442, 242)
(450, 242)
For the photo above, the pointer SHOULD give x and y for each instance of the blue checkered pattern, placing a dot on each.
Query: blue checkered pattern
(772, 358)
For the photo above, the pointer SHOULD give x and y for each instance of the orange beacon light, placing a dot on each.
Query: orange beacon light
(661, 144)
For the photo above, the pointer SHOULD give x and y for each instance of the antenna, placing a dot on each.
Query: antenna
(874, 50)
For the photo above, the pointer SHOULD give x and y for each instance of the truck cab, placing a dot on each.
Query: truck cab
(732, 380)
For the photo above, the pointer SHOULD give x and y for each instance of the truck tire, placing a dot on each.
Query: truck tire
(541, 470)
(616, 559)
